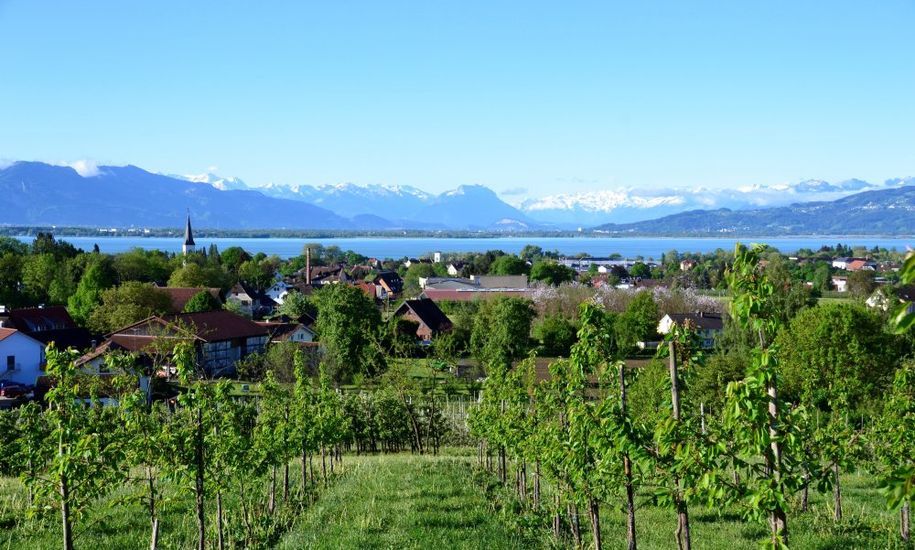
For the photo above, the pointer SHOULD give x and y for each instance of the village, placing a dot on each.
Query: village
(228, 325)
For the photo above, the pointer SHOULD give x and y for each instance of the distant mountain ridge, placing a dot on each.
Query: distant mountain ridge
(879, 212)
(84, 194)
(123, 196)
(405, 206)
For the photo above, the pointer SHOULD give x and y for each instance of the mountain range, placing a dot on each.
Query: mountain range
(82, 194)
(884, 212)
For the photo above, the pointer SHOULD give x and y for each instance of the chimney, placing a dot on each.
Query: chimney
(308, 266)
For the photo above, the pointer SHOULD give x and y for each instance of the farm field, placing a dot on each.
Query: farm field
(411, 501)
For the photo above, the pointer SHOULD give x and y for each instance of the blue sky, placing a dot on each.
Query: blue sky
(543, 97)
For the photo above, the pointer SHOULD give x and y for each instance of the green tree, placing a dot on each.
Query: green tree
(11, 291)
(894, 438)
(552, 273)
(835, 353)
(508, 265)
(861, 283)
(501, 332)
(126, 304)
(89, 447)
(88, 293)
(639, 269)
(148, 266)
(414, 273)
(193, 275)
(556, 335)
(295, 305)
(233, 257)
(348, 327)
(760, 434)
(202, 301)
(639, 323)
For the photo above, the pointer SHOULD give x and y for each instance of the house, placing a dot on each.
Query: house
(48, 324)
(861, 265)
(456, 268)
(884, 298)
(279, 290)
(411, 261)
(242, 296)
(840, 283)
(686, 265)
(708, 325)
(288, 332)
(180, 296)
(390, 282)
(221, 338)
(841, 263)
(448, 283)
(251, 303)
(432, 321)
(500, 281)
(471, 294)
(21, 357)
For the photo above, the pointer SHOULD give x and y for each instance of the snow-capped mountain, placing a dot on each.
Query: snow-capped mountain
(477, 206)
(627, 205)
(223, 184)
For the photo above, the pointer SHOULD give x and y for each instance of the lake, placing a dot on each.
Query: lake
(399, 247)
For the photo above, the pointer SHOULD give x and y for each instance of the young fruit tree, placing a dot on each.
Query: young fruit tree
(87, 462)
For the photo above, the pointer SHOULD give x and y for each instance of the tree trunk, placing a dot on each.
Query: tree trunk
(537, 484)
(557, 517)
(630, 503)
(220, 541)
(286, 481)
(594, 513)
(778, 519)
(151, 487)
(271, 505)
(805, 495)
(627, 467)
(684, 541)
(154, 540)
(503, 472)
(324, 465)
(65, 511)
(304, 470)
(836, 494)
(904, 521)
(574, 524)
(682, 533)
(198, 483)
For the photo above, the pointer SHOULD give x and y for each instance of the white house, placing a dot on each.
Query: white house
(279, 290)
(840, 283)
(21, 357)
(708, 325)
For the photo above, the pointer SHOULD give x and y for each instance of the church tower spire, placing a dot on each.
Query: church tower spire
(188, 247)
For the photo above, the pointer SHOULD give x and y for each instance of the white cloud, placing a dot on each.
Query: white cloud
(85, 168)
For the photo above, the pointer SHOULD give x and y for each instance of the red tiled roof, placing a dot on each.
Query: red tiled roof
(6, 333)
(37, 319)
(181, 295)
(213, 326)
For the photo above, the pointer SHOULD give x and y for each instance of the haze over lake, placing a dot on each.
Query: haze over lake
(398, 247)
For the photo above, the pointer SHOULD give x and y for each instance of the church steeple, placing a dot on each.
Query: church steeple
(188, 246)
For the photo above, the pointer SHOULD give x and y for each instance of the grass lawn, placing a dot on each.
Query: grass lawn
(405, 501)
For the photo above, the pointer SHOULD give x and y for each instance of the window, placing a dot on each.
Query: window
(10, 362)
